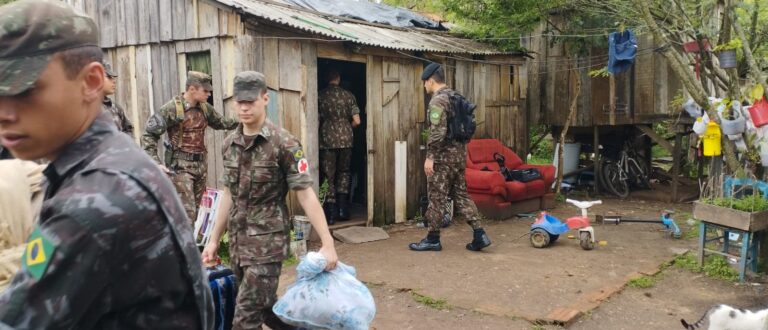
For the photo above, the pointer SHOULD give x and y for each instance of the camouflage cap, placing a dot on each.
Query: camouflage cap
(31, 31)
(108, 71)
(199, 78)
(249, 85)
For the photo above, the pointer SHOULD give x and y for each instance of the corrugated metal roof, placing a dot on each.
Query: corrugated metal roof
(361, 33)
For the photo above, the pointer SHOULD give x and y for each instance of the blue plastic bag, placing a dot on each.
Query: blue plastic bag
(326, 299)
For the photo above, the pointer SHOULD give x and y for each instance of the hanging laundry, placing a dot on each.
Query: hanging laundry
(622, 49)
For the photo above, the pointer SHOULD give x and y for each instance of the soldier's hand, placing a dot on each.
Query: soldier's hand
(210, 253)
(164, 169)
(330, 256)
(429, 167)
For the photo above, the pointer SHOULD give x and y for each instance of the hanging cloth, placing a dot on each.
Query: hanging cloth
(622, 49)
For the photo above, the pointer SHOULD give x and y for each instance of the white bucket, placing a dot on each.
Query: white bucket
(301, 227)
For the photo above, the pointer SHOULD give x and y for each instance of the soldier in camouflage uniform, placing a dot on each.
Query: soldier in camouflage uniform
(444, 167)
(118, 114)
(111, 249)
(261, 163)
(338, 114)
(185, 119)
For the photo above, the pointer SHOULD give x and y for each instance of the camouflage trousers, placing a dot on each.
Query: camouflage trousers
(256, 293)
(334, 165)
(448, 181)
(190, 181)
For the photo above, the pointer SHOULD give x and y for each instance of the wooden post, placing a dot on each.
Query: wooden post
(401, 180)
(612, 99)
(598, 158)
(676, 158)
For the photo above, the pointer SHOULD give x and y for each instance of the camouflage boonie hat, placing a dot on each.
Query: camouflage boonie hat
(199, 78)
(249, 85)
(108, 71)
(31, 31)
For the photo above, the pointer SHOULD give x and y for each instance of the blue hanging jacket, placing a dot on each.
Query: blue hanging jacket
(622, 49)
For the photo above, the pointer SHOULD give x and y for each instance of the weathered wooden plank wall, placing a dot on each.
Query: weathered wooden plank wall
(551, 79)
(152, 71)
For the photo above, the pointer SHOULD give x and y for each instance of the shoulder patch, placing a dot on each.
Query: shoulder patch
(302, 166)
(37, 254)
(434, 115)
(299, 154)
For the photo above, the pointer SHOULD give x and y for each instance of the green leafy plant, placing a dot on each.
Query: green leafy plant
(734, 44)
(715, 266)
(600, 73)
(440, 304)
(290, 261)
(323, 192)
(750, 203)
(643, 282)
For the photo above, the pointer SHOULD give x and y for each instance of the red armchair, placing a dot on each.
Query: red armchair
(500, 199)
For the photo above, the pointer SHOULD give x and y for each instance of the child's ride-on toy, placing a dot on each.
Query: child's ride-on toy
(548, 228)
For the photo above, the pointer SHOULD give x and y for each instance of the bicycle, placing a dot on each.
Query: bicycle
(629, 170)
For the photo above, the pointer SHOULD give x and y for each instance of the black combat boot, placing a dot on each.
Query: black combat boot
(430, 243)
(343, 200)
(480, 240)
(330, 213)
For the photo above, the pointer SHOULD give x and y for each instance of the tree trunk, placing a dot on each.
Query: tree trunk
(571, 114)
(754, 69)
(688, 78)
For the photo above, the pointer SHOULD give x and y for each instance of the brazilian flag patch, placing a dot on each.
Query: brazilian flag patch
(38, 254)
(434, 115)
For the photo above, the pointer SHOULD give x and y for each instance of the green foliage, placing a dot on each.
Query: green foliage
(715, 266)
(734, 44)
(323, 192)
(290, 261)
(693, 232)
(3, 2)
(643, 282)
(439, 304)
(542, 153)
(224, 249)
(600, 73)
(718, 267)
(560, 198)
(751, 203)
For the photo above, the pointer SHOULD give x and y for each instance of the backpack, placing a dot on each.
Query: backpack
(461, 121)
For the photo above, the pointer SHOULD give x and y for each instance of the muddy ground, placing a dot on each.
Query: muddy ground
(515, 286)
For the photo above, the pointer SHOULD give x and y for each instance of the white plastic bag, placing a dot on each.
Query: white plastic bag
(326, 299)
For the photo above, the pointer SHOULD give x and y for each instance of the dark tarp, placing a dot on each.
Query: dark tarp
(369, 12)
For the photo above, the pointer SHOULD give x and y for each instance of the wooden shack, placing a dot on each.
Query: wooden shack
(152, 43)
(641, 95)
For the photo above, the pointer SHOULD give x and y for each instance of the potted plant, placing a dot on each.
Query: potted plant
(749, 213)
(726, 53)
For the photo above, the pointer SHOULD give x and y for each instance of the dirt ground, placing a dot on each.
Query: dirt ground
(515, 286)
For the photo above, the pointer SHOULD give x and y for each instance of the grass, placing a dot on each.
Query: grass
(715, 267)
(439, 304)
(643, 282)
(537, 160)
(290, 261)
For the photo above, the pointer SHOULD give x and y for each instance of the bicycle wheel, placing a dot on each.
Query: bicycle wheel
(638, 174)
(615, 180)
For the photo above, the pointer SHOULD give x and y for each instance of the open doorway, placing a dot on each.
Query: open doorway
(352, 79)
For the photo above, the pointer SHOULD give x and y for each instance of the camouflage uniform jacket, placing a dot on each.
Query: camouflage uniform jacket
(439, 148)
(118, 115)
(112, 249)
(336, 108)
(192, 125)
(259, 175)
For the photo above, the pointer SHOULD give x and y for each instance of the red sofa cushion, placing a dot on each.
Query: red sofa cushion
(486, 182)
(480, 154)
(517, 191)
